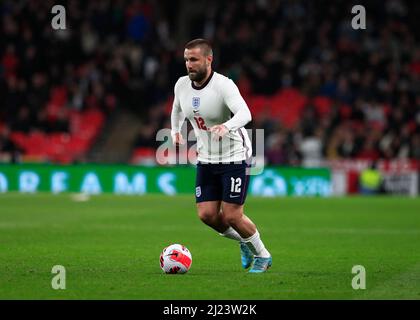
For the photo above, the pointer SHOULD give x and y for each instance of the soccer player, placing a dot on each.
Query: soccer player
(208, 100)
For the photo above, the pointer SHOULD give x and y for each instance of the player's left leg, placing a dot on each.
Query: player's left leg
(233, 215)
(247, 257)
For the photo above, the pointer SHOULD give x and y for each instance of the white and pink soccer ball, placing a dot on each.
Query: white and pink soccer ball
(175, 258)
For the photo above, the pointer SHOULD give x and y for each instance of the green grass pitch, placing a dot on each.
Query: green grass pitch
(110, 247)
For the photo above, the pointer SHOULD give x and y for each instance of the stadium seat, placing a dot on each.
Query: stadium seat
(287, 105)
(322, 105)
(258, 104)
(143, 155)
(19, 138)
(168, 105)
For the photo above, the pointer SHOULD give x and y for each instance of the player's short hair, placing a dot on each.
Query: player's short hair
(201, 43)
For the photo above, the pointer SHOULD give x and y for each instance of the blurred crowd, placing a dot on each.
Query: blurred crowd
(111, 54)
(129, 54)
(371, 78)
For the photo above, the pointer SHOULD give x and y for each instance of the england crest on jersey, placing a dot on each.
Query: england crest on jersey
(195, 104)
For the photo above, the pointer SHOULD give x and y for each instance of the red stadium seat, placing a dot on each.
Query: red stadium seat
(18, 137)
(78, 145)
(345, 111)
(322, 105)
(168, 105)
(258, 104)
(143, 155)
(287, 105)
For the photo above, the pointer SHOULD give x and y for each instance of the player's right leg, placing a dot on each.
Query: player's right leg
(208, 212)
(208, 197)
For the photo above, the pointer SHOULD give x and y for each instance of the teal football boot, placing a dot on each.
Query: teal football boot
(246, 256)
(261, 264)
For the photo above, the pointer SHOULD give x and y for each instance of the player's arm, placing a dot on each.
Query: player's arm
(239, 108)
(177, 120)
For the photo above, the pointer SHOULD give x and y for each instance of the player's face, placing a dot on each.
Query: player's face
(196, 63)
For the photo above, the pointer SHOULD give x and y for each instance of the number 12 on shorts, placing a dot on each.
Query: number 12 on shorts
(235, 184)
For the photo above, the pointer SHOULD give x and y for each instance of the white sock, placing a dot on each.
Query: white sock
(257, 247)
(232, 234)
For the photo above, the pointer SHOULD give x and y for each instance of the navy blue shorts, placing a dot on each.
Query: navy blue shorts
(222, 182)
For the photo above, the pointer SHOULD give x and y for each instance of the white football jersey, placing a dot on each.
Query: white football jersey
(212, 104)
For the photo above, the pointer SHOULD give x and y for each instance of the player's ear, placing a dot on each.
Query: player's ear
(209, 59)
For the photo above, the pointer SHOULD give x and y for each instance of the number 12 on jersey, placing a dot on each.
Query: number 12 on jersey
(200, 123)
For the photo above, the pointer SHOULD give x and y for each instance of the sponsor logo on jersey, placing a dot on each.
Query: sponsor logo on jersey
(198, 191)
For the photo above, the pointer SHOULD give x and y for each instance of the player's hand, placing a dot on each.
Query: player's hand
(178, 139)
(219, 131)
